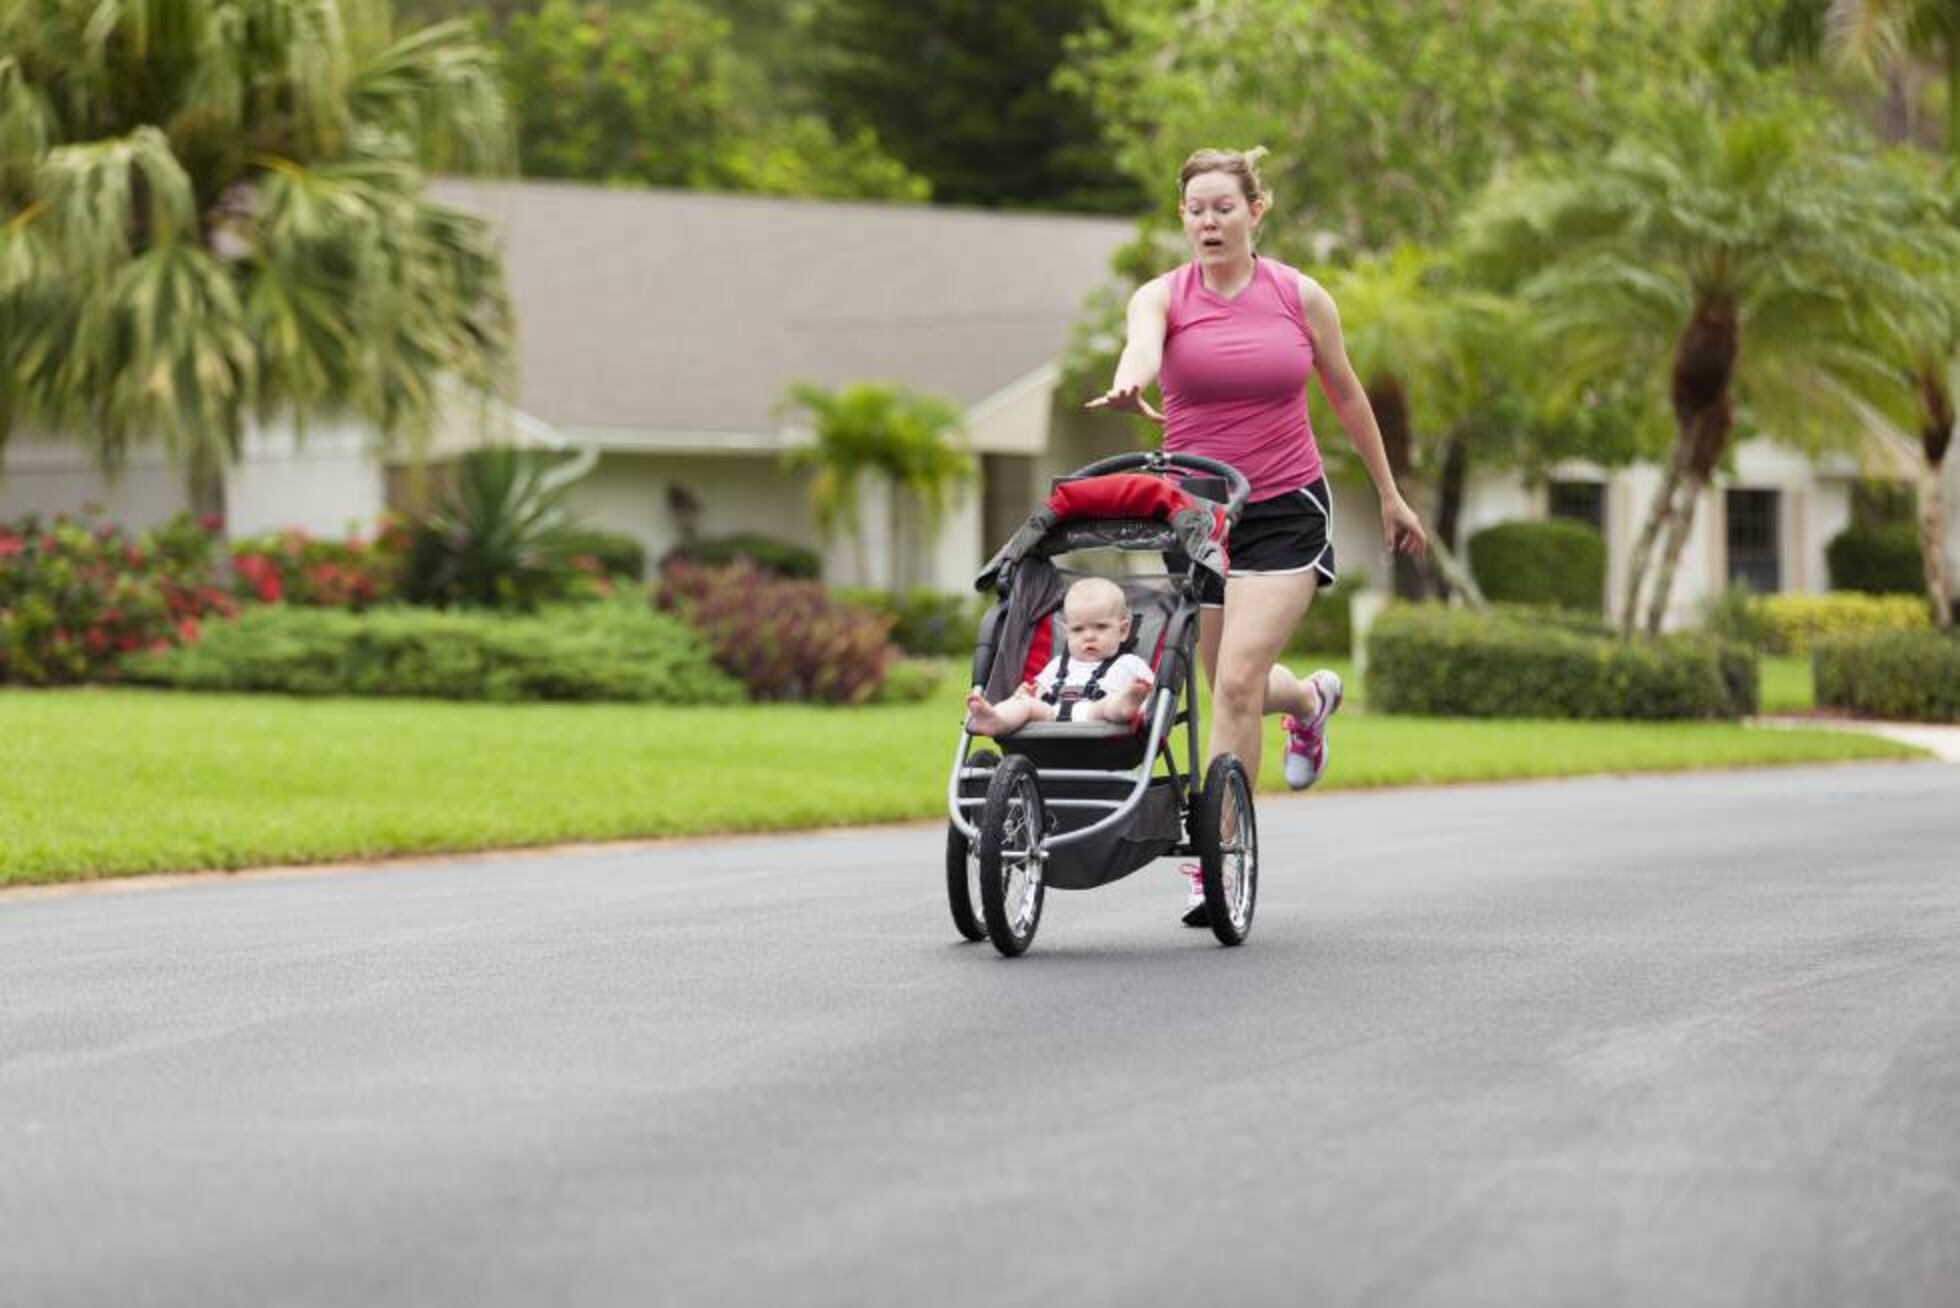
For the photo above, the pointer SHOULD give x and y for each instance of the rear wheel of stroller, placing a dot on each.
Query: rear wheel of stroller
(1011, 829)
(963, 867)
(1228, 849)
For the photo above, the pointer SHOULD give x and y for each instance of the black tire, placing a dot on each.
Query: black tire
(1011, 829)
(961, 882)
(1228, 850)
(962, 867)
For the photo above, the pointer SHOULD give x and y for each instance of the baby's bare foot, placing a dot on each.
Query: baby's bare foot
(982, 718)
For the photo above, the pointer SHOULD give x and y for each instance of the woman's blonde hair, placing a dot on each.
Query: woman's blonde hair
(1242, 164)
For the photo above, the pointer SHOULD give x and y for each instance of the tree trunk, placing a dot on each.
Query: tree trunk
(1658, 514)
(1677, 539)
(205, 478)
(1449, 509)
(1935, 436)
(1456, 577)
(1391, 406)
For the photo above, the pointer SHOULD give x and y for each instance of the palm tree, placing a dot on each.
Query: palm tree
(1743, 261)
(214, 211)
(889, 432)
(1870, 35)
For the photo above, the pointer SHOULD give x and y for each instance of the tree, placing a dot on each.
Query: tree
(1743, 261)
(889, 433)
(1869, 34)
(211, 211)
(966, 95)
(652, 92)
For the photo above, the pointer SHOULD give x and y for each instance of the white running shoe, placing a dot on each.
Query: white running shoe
(1194, 901)
(1306, 742)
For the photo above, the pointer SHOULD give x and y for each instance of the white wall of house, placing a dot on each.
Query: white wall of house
(44, 477)
(327, 482)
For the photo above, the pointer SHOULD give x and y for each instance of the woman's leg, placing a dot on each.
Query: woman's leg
(1240, 645)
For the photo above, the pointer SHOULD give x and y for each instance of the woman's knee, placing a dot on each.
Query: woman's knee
(1241, 688)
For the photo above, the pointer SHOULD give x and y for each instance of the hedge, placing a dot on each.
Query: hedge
(1556, 561)
(784, 639)
(1427, 659)
(1328, 627)
(765, 552)
(620, 651)
(1791, 624)
(925, 623)
(1880, 560)
(1911, 676)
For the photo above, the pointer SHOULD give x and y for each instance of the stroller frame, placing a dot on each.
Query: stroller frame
(1009, 808)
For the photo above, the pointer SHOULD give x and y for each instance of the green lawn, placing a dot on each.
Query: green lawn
(107, 782)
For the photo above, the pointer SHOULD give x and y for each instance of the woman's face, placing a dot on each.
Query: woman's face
(1218, 219)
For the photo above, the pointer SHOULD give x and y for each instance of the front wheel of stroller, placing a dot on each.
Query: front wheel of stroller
(1228, 849)
(1011, 827)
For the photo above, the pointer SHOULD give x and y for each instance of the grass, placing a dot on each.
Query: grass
(112, 782)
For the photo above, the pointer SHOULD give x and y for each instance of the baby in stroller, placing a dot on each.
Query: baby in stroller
(1092, 680)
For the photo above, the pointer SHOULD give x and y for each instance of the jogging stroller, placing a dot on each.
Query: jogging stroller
(1075, 805)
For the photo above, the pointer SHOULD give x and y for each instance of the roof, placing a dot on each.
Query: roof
(684, 311)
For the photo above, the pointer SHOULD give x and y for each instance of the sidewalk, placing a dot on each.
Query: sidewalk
(1942, 740)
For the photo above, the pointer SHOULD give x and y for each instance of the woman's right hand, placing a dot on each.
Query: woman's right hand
(1126, 399)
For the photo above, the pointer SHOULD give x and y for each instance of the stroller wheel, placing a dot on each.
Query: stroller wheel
(1228, 850)
(963, 884)
(1011, 828)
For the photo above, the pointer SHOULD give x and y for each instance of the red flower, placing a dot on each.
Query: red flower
(96, 639)
(10, 545)
(187, 631)
(212, 523)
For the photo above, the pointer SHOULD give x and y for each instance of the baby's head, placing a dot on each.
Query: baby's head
(1097, 617)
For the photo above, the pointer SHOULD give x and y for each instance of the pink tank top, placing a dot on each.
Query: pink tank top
(1235, 374)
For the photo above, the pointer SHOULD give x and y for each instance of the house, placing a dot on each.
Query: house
(658, 330)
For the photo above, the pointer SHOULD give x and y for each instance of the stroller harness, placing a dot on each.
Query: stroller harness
(1065, 697)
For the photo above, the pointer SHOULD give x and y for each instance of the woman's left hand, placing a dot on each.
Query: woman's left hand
(1402, 529)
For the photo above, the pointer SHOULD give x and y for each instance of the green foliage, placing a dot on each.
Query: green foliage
(213, 211)
(293, 567)
(504, 537)
(1427, 659)
(1328, 627)
(74, 597)
(785, 640)
(924, 622)
(1911, 676)
(651, 91)
(1735, 614)
(1793, 624)
(1881, 559)
(780, 557)
(912, 680)
(617, 651)
(967, 96)
(618, 555)
(1554, 561)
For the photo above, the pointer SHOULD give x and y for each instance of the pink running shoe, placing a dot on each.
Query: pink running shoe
(1194, 902)
(1306, 742)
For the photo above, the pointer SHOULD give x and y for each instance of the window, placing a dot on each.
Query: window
(1754, 558)
(1581, 501)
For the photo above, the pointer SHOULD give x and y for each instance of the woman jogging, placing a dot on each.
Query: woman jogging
(1233, 338)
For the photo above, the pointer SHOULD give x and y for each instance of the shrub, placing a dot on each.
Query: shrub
(1879, 559)
(1793, 623)
(1735, 613)
(503, 539)
(76, 596)
(778, 557)
(925, 623)
(784, 639)
(1328, 627)
(908, 681)
(618, 555)
(1556, 561)
(617, 651)
(1433, 660)
(294, 568)
(1907, 675)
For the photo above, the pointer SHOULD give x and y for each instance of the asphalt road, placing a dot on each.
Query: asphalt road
(1670, 1041)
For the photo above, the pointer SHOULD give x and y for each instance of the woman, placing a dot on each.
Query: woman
(1233, 338)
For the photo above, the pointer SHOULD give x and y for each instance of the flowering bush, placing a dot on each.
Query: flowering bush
(784, 639)
(75, 596)
(295, 568)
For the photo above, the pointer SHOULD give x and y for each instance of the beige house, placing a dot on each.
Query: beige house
(658, 331)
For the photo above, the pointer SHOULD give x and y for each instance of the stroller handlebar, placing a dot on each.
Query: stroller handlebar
(1160, 461)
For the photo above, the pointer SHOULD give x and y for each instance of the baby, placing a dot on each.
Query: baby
(1089, 682)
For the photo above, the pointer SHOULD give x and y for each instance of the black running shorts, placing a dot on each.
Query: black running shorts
(1279, 537)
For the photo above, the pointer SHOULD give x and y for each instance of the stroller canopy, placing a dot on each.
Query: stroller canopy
(1122, 510)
